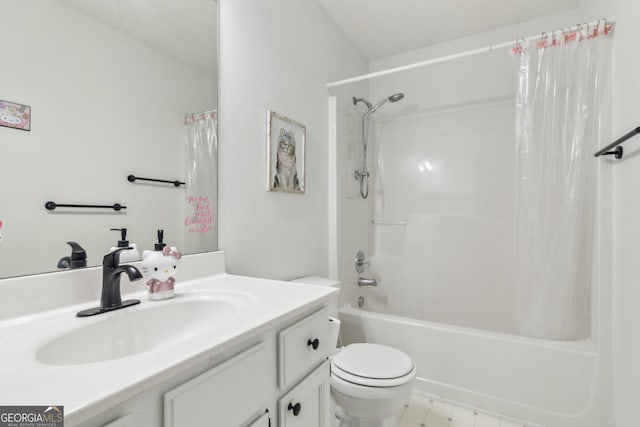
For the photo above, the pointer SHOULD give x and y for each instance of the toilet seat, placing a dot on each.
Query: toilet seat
(373, 365)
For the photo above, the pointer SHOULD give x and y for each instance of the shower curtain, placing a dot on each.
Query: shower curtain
(559, 123)
(200, 230)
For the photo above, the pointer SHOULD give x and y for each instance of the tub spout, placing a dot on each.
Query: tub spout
(367, 282)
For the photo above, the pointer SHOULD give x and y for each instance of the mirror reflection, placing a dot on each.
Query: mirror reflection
(115, 88)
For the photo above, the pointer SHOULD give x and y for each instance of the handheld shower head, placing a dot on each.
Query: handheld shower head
(396, 97)
(393, 98)
(363, 175)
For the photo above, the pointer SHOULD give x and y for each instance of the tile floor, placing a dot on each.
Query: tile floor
(423, 411)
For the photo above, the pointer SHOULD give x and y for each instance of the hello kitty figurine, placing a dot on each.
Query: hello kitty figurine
(160, 266)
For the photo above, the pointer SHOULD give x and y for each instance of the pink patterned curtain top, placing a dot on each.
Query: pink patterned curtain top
(559, 37)
(192, 118)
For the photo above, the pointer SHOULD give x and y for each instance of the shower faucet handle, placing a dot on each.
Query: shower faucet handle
(361, 262)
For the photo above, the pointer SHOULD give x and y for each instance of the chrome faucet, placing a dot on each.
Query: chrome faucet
(367, 282)
(111, 298)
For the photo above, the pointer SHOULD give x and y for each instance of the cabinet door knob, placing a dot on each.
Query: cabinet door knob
(295, 408)
(315, 343)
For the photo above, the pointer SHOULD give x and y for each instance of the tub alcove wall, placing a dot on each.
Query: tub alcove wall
(443, 195)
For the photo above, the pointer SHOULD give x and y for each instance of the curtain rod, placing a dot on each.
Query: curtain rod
(489, 48)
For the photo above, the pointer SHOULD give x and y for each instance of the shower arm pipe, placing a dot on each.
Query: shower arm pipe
(489, 48)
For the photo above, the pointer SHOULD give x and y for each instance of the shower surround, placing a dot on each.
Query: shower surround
(442, 253)
(440, 231)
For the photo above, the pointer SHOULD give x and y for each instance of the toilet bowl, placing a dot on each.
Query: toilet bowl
(370, 383)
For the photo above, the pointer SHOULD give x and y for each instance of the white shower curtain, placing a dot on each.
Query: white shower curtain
(200, 228)
(559, 116)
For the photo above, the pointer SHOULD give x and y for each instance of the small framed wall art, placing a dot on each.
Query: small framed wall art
(286, 147)
(15, 116)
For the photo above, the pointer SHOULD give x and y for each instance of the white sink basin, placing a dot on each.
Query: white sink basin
(139, 329)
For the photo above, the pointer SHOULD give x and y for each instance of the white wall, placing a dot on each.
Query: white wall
(626, 307)
(626, 206)
(104, 106)
(276, 55)
(626, 202)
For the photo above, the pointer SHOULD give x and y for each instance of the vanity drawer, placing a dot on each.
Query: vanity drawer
(231, 394)
(302, 347)
(308, 403)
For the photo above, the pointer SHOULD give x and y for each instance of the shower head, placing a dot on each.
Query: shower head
(393, 98)
(396, 97)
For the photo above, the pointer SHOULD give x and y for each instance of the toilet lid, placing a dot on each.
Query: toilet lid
(373, 361)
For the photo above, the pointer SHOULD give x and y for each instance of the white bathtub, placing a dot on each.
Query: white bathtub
(550, 383)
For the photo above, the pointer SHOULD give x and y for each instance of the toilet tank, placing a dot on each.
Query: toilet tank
(318, 281)
(323, 281)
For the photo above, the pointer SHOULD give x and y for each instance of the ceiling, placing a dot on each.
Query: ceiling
(381, 28)
(186, 30)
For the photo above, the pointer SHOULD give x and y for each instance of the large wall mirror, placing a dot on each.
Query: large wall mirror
(115, 88)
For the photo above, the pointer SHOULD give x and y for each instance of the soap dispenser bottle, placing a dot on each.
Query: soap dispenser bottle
(128, 255)
(160, 265)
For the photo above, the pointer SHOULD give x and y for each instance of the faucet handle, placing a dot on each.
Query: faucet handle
(78, 256)
(361, 262)
(112, 259)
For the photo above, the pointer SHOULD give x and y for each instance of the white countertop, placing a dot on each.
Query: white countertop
(88, 389)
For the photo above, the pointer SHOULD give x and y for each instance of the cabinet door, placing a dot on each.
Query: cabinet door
(231, 394)
(307, 404)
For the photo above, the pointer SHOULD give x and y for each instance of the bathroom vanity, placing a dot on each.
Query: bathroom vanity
(226, 351)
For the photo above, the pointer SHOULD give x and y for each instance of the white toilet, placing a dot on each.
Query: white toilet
(370, 383)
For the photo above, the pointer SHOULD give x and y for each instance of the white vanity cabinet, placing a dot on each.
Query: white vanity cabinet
(277, 377)
(227, 351)
(303, 348)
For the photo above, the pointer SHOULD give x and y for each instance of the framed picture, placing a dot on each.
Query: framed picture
(286, 147)
(15, 116)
